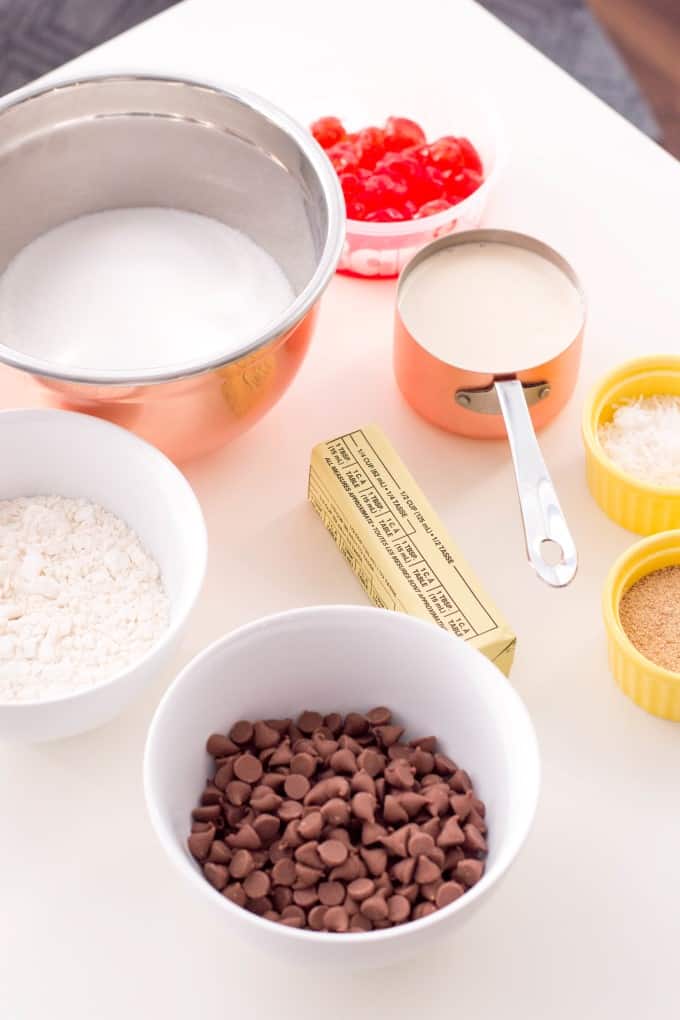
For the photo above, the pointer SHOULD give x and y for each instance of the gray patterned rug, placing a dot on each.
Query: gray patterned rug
(38, 35)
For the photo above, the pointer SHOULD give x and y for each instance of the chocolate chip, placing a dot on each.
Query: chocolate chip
(403, 871)
(308, 854)
(274, 780)
(283, 755)
(219, 852)
(375, 908)
(443, 765)
(241, 864)
(207, 813)
(422, 761)
(306, 898)
(423, 910)
(473, 839)
(460, 782)
(220, 746)
(264, 735)
(451, 834)
(379, 716)
(372, 832)
(351, 869)
(264, 799)
(293, 914)
(246, 838)
(336, 919)
(256, 885)
(361, 888)
(267, 827)
(283, 873)
(343, 760)
(306, 876)
(360, 923)
(296, 786)
(304, 764)
(400, 775)
(308, 721)
(248, 768)
(216, 874)
(448, 892)
(355, 724)
(199, 843)
(388, 735)
(424, 743)
(420, 843)
(426, 871)
(411, 802)
(280, 725)
(237, 792)
(438, 799)
(335, 811)
(241, 732)
(224, 774)
(375, 859)
(235, 893)
(469, 870)
(398, 909)
(316, 918)
(289, 809)
(371, 761)
(282, 897)
(331, 894)
(397, 842)
(333, 722)
(333, 853)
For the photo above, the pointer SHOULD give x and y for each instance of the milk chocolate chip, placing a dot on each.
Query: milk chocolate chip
(335, 823)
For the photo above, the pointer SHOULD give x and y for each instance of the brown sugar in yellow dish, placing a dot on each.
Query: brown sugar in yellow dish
(650, 615)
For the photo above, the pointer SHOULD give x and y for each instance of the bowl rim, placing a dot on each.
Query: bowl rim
(294, 313)
(427, 224)
(497, 683)
(199, 530)
(614, 588)
(594, 404)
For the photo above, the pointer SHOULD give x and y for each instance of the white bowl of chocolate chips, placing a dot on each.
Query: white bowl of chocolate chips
(342, 783)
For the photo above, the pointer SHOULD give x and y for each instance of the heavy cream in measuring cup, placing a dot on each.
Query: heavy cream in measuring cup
(144, 288)
(490, 307)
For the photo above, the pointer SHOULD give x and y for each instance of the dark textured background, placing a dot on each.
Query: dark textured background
(37, 35)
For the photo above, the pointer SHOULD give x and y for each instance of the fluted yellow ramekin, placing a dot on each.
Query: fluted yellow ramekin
(652, 687)
(645, 509)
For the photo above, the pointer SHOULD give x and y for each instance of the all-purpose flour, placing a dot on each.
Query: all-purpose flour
(139, 288)
(80, 599)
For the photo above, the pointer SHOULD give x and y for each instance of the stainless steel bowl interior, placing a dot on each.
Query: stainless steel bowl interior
(114, 142)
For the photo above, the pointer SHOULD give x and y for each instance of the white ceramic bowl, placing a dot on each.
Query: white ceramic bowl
(52, 452)
(346, 657)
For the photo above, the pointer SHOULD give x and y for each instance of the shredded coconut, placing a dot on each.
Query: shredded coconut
(80, 599)
(643, 439)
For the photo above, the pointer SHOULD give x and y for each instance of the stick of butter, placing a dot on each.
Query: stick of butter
(397, 545)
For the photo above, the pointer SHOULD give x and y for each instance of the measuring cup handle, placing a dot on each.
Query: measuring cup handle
(542, 514)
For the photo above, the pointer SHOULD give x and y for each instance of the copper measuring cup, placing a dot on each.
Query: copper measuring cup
(483, 404)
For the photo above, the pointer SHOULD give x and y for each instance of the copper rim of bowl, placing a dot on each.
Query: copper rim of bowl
(325, 268)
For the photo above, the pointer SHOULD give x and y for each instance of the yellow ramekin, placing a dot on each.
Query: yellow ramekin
(645, 509)
(652, 687)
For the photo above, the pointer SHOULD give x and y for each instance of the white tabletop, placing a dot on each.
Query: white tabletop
(95, 923)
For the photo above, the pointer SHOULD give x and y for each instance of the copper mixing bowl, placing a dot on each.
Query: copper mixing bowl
(113, 142)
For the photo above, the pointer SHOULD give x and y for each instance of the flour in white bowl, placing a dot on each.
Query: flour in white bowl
(80, 598)
(143, 288)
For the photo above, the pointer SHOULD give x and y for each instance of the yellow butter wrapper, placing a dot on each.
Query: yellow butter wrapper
(396, 544)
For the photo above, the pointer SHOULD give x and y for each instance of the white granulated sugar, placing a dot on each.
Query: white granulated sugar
(80, 599)
(131, 289)
(643, 439)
